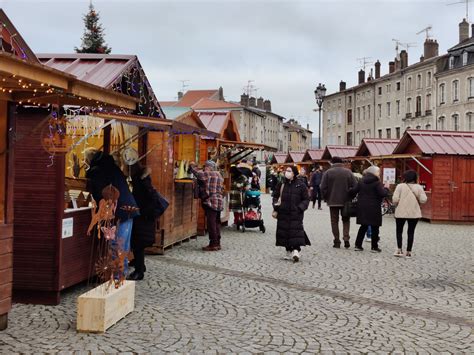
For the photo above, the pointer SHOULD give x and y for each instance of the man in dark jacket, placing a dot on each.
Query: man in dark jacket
(315, 186)
(103, 172)
(335, 186)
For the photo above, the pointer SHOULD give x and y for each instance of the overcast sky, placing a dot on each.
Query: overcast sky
(286, 47)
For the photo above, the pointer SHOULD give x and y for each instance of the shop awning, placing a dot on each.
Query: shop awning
(35, 84)
(374, 147)
(237, 144)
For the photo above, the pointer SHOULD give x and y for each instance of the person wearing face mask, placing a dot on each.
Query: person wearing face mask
(290, 200)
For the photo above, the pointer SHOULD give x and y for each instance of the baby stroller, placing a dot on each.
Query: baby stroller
(252, 211)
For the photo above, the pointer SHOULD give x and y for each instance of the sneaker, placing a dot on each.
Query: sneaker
(296, 256)
(398, 253)
(288, 255)
(376, 250)
(408, 254)
(358, 248)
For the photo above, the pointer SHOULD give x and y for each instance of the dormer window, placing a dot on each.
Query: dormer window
(451, 62)
(464, 58)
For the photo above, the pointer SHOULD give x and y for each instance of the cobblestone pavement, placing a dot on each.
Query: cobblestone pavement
(247, 299)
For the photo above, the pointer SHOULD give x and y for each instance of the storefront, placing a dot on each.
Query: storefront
(372, 152)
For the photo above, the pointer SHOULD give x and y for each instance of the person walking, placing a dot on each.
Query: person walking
(370, 191)
(144, 225)
(407, 197)
(315, 186)
(303, 176)
(102, 172)
(335, 185)
(239, 184)
(213, 203)
(290, 200)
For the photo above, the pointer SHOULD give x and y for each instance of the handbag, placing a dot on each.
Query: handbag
(278, 203)
(350, 208)
(160, 203)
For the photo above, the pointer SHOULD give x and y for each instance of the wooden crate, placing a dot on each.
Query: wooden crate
(100, 308)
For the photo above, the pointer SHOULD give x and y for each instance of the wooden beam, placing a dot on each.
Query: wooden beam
(5, 96)
(36, 73)
(91, 92)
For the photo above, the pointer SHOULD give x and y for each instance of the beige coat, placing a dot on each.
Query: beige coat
(407, 198)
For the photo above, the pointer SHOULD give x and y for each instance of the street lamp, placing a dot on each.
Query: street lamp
(319, 93)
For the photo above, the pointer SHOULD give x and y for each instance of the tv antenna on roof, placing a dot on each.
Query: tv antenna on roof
(364, 62)
(427, 30)
(183, 85)
(467, 6)
(408, 45)
(250, 88)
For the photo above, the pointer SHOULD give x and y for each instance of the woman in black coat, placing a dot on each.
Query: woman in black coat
(144, 226)
(370, 192)
(290, 200)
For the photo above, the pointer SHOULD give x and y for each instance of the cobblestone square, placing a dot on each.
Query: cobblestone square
(247, 299)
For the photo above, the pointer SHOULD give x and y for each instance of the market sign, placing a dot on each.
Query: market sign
(67, 227)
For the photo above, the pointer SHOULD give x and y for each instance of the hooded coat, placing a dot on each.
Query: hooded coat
(294, 201)
(370, 192)
(102, 172)
(144, 226)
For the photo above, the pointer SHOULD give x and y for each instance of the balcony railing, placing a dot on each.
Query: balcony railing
(417, 113)
(428, 112)
(408, 115)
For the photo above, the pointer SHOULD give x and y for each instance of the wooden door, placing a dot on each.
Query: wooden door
(441, 191)
(462, 189)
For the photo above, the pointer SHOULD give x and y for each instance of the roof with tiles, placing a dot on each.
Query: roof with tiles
(438, 142)
(376, 147)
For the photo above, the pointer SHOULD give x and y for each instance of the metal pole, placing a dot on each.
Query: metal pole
(319, 140)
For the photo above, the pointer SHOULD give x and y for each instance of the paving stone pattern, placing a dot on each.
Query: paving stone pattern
(247, 299)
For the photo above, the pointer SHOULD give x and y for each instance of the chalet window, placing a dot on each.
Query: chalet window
(455, 90)
(389, 133)
(442, 93)
(397, 132)
(455, 122)
(464, 58)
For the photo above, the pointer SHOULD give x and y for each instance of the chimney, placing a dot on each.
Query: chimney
(180, 95)
(260, 103)
(267, 105)
(342, 86)
(377, 69)
(463, 30)
(252, 102)
(391, 67)
(361, 76)
(221, 94)
(307, 126)
(403, 59)
(244, 100)
(422, 58)
(431, 48)
(397, 64)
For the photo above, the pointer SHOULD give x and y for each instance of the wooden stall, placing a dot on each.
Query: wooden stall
(296, 158)
(345, 152)
(315, 157)
(372, 152)
(278, 159)
(444, 161)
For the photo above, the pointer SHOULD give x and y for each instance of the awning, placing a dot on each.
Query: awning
(236, 144)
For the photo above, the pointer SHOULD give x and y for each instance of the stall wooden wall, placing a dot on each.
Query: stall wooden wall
(6, 217)
(38, 206)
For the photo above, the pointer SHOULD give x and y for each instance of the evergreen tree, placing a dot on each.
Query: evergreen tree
(93, 40)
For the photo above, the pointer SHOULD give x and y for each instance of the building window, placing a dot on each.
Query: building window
(368, 133)
(389, 133)
(349, 116)
(441, 123)
(358, 137)
(380, 90)
(380, 111)
(409, 83)
(428, 126)
(358, 113)
(428, 102)
(455, 90)
(363, 134)
(442, 94)
(418, 106)
(409, 105)
(349, 138)
(470, 87)
(388, 109)
(380, 133)
(428, 79)
(418, 81)
(470, 121)
(350, 101)
(455, 122)
(397, 132)
(368, 112)
(398, 107)
(418, 127)
(339, 102)
(389, 88)
(451, 62)
(398, 86)
(464, 58)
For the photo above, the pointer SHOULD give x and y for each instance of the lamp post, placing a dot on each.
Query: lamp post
(319, 94)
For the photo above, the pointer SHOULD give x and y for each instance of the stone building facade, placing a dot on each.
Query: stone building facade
(408, 97)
